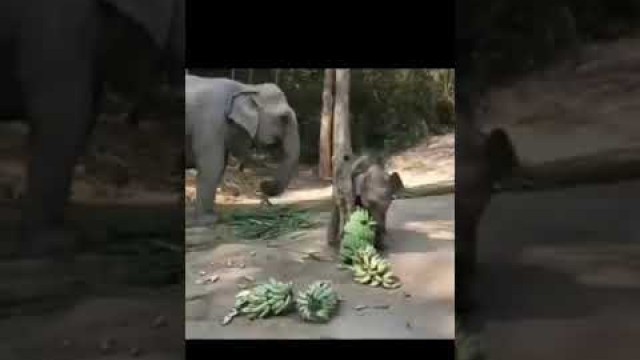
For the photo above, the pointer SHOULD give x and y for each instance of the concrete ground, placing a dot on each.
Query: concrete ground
(560, 275)
(421, 250)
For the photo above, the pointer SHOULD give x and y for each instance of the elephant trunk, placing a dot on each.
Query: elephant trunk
(289, 163)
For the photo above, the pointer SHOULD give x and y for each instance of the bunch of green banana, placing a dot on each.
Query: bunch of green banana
(361, 225)
(349, 246)
(359, 232)
(318, 302)
(371, 269)
(267, 299)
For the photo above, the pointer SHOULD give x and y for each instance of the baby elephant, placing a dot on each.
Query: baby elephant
(373, 189)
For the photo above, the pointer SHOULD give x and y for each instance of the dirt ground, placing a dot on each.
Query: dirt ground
(559, 276)
(565, 120)
(562, 281)
(130, 263)
(421, 251)
(429, 165)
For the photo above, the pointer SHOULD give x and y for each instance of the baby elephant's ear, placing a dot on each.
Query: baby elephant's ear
(395, 182)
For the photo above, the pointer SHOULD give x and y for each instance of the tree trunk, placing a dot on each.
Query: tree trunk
(277, 74)
(326, 125)
(342, 159)
(341, 129)
(250, 78)
(233, 74)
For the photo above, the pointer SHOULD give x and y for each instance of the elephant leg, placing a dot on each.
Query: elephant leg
(60, 98)
(379, 241)
(211, 165)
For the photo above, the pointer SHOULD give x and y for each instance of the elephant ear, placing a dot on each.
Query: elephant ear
(155, 16)
(501, 155)
(395, 182)
(243, 110)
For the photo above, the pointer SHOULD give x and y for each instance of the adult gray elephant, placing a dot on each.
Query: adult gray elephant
(57, 58)
(225, 117)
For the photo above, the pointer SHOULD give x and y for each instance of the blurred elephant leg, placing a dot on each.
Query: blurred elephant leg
(211, 165)
(60, 98)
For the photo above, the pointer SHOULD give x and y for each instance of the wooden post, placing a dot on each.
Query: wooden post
(325, 167)
(342, 160)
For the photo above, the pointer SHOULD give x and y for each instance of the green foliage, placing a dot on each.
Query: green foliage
(269, 222)
(390, 109)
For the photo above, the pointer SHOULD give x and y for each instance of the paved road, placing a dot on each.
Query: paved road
(560, 274)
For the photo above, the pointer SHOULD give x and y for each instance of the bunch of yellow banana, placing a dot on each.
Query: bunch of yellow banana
(267, 299)
(371, 269)
(318, 302)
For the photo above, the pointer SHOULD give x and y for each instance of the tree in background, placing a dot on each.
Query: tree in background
(326, 125)
(342, 152)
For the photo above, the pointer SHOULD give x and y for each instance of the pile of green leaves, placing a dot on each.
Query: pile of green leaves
(268, 223)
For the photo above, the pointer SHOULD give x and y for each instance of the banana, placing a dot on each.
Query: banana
(323, 292)
(303, 301)
(365, 262)
(395, 285)
(243, 294)
(323, 314)
(264, 313)
(359, 271)
(373, 264)
(375, 282)
(284, 306)
(277, 306)
(383, 266)
(388, 276)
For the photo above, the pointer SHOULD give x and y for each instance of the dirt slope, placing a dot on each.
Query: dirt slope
(576, 117)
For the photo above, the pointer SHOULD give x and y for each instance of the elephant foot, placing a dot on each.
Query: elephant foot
(205, 220)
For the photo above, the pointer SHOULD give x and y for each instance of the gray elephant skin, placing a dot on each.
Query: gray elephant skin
(374, 190)
(225, 117)
(57, 57)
